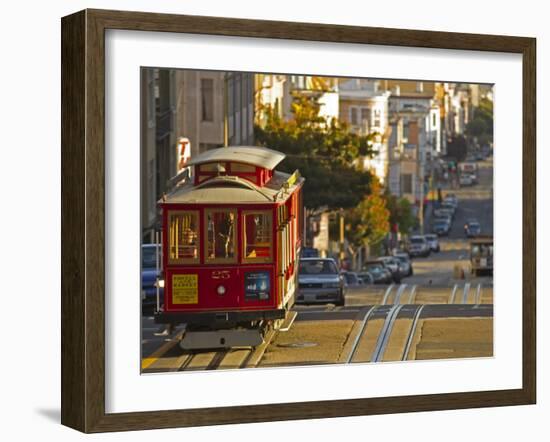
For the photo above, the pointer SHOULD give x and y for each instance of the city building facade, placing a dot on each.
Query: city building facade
(364, 107)
(184, 113)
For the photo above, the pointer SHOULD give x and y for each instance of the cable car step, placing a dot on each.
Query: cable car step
(197, 340)
(285, 326)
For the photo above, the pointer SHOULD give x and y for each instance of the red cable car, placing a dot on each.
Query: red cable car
(231, 239)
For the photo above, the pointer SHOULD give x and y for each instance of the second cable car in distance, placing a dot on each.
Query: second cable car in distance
(231, 239)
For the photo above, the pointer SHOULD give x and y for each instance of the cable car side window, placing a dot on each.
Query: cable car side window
(183, 237)
(257, 236)
(241, 167)
(220, 229)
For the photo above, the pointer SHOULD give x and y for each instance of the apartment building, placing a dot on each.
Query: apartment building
(364, 107)
(200, 110)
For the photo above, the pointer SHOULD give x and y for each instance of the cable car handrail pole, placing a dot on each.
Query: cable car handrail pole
(157, 268)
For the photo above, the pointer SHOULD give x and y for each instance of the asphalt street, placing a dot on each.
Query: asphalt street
(440, 312)
(474, 202)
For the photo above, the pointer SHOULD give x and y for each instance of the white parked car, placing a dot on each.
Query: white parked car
(465, 180)
(418, 246)
(433, 241)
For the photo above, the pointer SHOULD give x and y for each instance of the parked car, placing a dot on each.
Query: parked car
(320, 281)
(149, 276)
(442, 212)
(378, 271)
(449, 207)
(393, 265)
(433, 242)
(441, 226)
(451, 199)
(465, 180)
(405, 264)
(444, 217)
(472, 229)
(418, 246)
(365, 278)
(352, 279)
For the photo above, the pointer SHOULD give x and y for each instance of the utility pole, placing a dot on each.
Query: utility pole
(420, 183)
(225, 110)
(342, 253)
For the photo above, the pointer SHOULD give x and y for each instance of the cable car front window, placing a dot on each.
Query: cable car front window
(257, 236)
(183, 237)
(220, 230)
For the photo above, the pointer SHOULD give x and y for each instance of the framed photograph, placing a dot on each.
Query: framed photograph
(266, 221)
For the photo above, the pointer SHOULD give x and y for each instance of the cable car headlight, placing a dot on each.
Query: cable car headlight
(221, 290)
(159, 283)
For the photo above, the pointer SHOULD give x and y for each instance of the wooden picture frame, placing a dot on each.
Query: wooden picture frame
(83, 220)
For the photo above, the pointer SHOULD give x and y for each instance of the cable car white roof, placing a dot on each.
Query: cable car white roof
(257, 156)
(230, 189)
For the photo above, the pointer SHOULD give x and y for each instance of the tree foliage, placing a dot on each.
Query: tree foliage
(325, 151)
(481, 125)
(369, 222)
(401, 213)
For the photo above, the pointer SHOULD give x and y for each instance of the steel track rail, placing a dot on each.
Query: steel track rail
(399, 293)
(412, 332)
(478, 295)
(387, 294)
(360, 334)
(186, 362)
(411, 295)
(217, 359)
(465, 293)
(453, 294)
(385, 333)
(255, 355)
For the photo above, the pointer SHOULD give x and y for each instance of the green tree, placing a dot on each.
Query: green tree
(325, 151)
(369, 222)
(481, 125)
(401, 213)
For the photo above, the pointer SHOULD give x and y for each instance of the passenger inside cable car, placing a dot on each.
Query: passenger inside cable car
(221, 235)
(257, 235)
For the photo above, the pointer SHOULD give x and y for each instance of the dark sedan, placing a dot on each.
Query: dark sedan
(472, 229)
(378, 272)
(441, 227)
(149, 276)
